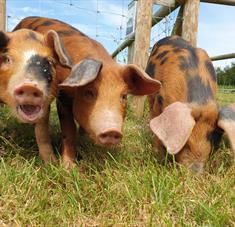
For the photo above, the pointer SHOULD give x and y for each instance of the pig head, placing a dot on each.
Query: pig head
(28, 81)
(99, 94)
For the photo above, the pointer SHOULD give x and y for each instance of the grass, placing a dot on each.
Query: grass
(115, 187)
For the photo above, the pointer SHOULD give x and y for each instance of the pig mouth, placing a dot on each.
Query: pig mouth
(29, 113)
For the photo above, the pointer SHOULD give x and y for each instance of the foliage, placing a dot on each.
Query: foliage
(226, 76)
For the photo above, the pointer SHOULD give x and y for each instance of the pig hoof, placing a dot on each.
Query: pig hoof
(51, 159)
(69, 164)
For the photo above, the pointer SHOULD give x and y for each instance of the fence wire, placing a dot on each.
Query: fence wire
(113, 34)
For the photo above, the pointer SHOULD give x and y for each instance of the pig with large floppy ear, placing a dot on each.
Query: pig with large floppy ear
(139, 82)
(105, 120)
(174, 126)
(82, 73)
(28, 81)
(99, 96)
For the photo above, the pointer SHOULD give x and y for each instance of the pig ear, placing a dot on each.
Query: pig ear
(173, 126)
(4, 39)
(53, 40)
(82, 73)
(227, 123)
(139, 82)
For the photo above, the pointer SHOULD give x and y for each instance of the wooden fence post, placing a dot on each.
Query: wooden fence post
(177, 29)
(130, 53)
(2, 15)
(141, 46)
(190, 21)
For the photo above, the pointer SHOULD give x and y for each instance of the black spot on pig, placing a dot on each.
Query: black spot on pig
(197, 91)
(189, 62)
(70, 30)
(150, 69)
(163, 60)
(159, 99)
(178, 44)
(214, 137)
(210, 70)
(66, 32)
(184, 64)
(47, 23)
(70, 33)
(32, 24)
(162, 55)
(227, 113)
(177, 50)
(31, 35)
(40, 67)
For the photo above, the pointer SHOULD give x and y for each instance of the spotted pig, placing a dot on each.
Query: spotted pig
(28, 81)
(185, 117)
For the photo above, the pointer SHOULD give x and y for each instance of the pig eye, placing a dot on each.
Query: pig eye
(5, 60)
(8, 60)
(123, 98)
(89, 95)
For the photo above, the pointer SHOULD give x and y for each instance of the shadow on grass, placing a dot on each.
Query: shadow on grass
(221, 159)
(18, 138)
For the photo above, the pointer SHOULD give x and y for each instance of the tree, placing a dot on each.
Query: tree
(226, 76)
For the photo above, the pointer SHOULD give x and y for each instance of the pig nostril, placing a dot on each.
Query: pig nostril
(21, 92)
(36, 94)
(117, 136)
(103, 136)
(110, 137)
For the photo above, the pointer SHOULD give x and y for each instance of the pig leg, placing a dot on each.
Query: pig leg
(43, 140)
(81, 131)
(68, 129)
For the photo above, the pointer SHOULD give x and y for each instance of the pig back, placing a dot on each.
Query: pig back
(186, 73)
(78, 45)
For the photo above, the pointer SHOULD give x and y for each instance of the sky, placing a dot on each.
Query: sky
(105, 21)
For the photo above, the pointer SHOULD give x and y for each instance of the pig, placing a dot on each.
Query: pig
(94, 93)
(28, 82)
(184, 114)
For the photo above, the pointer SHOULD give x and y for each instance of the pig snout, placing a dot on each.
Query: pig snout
(28, 94)
(110, 137)
(106, 126)
(29, 100)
